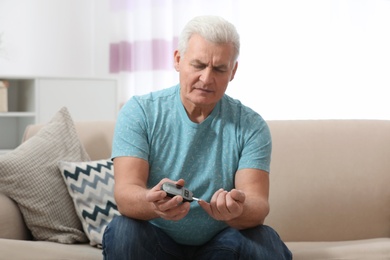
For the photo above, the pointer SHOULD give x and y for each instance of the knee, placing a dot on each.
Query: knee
(268, 231)
(121, 227)
(118, 232)
(112, 230)
(120, 237)
(268, 241)
(260, 232)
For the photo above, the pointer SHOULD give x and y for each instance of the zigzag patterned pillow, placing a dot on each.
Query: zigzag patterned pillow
(91, 186)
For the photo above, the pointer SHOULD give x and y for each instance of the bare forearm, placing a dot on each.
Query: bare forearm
(131, 201)
(253, 215)
(255, 184)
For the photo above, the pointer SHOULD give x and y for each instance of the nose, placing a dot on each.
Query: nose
(206, 76)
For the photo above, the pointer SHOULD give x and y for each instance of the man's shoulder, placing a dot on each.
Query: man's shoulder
(235, 106)
(159, 95)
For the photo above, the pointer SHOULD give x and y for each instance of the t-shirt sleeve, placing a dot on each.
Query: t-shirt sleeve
(257, 145)
(130, 135)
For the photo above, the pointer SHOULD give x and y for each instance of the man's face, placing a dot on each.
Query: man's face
(205, 71)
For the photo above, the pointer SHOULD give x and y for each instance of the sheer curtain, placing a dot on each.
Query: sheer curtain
(300, 59)
(144, 35)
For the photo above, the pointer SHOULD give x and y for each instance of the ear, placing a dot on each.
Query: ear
(176, 60)
(234, 71)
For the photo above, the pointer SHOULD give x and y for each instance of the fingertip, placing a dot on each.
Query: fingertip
(202, 202)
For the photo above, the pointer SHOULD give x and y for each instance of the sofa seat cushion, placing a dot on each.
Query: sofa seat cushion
(43, 250)
(373, 249)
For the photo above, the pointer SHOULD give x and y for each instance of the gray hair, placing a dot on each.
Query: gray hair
(214, 29)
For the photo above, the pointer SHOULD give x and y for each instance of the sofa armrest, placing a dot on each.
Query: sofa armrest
(12, 225)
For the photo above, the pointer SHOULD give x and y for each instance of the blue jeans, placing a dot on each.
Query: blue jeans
(126, 238)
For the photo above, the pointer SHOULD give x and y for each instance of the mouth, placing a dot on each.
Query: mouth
(203, 90)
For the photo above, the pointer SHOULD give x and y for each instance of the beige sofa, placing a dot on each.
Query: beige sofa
(330, 195)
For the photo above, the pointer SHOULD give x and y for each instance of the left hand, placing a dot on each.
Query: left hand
(224, 205)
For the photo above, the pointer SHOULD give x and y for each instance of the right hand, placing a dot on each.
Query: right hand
(166, 207)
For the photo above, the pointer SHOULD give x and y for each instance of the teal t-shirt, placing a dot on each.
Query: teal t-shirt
(155, 127)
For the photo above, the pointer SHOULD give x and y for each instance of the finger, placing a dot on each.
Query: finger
(237, 195)
(176, 213)
(155, 193)
(214, 198)
(170, 203)
(155, 196)
(159, 185)
(206, 207)
(221, 199)
(213, 204)
(221, 204)
(217, 204)
(180, 182)
(234, 207)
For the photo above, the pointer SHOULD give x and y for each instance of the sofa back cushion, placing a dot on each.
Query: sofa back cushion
(96, 137)
(330, 179)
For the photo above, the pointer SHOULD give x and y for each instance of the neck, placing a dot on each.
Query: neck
(198, 114)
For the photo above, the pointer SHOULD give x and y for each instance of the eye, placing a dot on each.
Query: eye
(220, 69)
(198, 66)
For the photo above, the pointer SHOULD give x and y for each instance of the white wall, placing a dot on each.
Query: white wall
(47, 38)
(306, 59)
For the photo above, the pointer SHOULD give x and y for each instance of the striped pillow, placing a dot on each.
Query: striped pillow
(91, 185)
